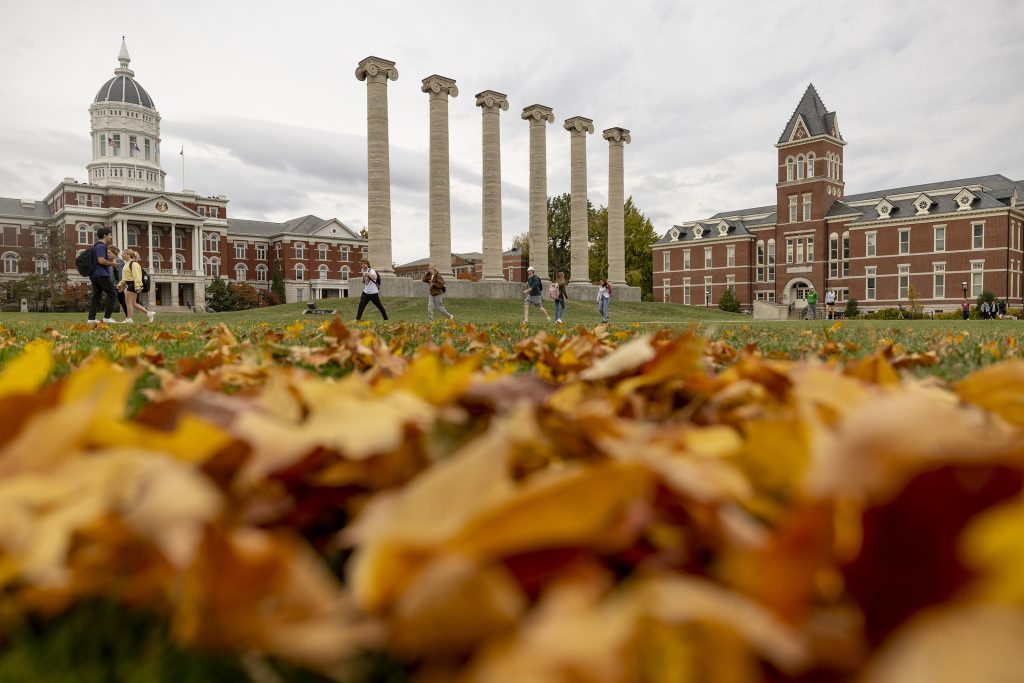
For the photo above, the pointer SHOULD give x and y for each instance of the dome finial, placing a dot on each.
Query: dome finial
(124, 60)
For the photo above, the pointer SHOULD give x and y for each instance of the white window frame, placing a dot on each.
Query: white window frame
(870, 283)
(730, 255)
(799, 246)
(261, 273)
(939, 280)
(666, 285)
(845, 247)
(707, 258)
(810, 248)
(11, 262)
(771, 260)
(759, 257)
(810, 164)
(322, 252)
(261, 252)
(85, 229)
(344, 252)
(939, 238)
(790, 169)
(241, 272)
(323, 271)
(792, 208)
(903, 246)
(240, 248)
(300, 250)
(903, 272)
(806, 202)
(978, 236)
(300, 272)
(686, 259)
(833, 255)
(871, 243)
(708, 292)
(977, 278)
(790, 251)
(666, 260)
(686, 291)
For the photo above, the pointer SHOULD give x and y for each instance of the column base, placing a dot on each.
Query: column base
(493, 278)
(579, 282)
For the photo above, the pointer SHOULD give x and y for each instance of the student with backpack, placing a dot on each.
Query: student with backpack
(115, 274)
(435, 296)
(95, 264)
(371, 291)
(557, 292)
(533, 295)
(134, 283)
(604, 295)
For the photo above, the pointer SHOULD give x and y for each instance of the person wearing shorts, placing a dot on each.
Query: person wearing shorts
(533, 295)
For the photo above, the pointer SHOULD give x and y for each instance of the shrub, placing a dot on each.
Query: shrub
(219, 296)
(852, 311)
(729, 302)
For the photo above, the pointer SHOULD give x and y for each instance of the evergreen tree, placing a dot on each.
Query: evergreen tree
(219, 296)
(729, 302)
(277, 282)
(852, 309)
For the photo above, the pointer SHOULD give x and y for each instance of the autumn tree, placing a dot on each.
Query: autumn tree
(522, 242)
(277, 282)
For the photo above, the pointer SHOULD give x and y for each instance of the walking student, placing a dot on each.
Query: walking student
(371, 291)
(604, 295)
(812, 303)
(965, 307)
(435, 297)
(830, 304)
(115, 274)
(100, 278)
(560, 296)
(533, 295)
(131, 284)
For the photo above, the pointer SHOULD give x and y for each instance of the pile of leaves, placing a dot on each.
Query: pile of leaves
(638, 509)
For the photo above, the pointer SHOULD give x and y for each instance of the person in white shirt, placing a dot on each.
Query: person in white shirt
(371, 291)
(830, 304)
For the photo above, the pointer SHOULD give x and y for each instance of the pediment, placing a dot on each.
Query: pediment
(698, 231)
(723, 228)
(923, 204)
(162, 205)
(799, 130)
(674, 234)
(835, 128)
(963, 199)
(334, 228)
(884, 208)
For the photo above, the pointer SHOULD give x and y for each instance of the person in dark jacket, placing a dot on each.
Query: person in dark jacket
(562, 297)
(435, 296)
(103, 290)
(533, 295)
(115, 275)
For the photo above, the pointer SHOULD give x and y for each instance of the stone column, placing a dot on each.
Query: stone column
(197, 249)
(174, 248)
(440, 89)
(149, 238)
(617, 139)
(539, 116)
(491, 103)
(579, 261)
(376, 72)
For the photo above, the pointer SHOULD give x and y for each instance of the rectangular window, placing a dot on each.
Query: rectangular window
(117, 144)
(666, 259)
(730, 282)
(833, 256)
(261, 252)
(707, 290)
(904, 281)
(10, 235)
(214, 212)
(792, 208)
(771, 260)
(97, 200)
(978, 235)
(939, 280)
(666, 290)
(904, 241)
(810, 249)
(707, 257)
(940, 238)
(240, 250)
(686, 259)
(322, 252)
(789, 250)
(39, 239)
(344, 252)
(128, 199)
(82, 199)
(730, 255)
(133, 145)
(202, 211)
(869, 244)
(799, 250)
(760, 262)
(869, 283)
(846, 254)
(807, 207)
(103, 144)
(686, 291)
(977, 278)
(148, 149)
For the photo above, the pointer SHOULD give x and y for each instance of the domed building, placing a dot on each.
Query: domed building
(125, 133)
(184, 239)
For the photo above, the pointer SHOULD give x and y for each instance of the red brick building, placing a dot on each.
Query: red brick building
(873, 246)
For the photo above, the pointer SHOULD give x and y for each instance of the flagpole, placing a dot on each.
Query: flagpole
(182, 153)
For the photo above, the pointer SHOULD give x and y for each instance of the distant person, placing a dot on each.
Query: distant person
(115, 274)
(830, 304)
(371, 291)
(560, 296)
(986, 310)
(131, 284)
(812, 303)
(533, 291)
(435, 296)
(102, 284)
(604, 296)
(1001, 309)
(965, 307)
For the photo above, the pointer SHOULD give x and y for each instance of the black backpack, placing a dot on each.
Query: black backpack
(86, 262)
(377, 282)
(145, 279)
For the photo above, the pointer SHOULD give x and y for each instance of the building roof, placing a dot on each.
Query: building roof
(816, 116)
(709, 230)
(123, 87)
(303, 225)
(24, 207)
(995, 192)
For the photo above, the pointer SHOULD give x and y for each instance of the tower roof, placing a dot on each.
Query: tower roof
(123, 87)
(816, 116)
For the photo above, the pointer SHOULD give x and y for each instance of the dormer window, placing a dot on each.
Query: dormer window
(884, 208)
(964, 198)
(923, 203)
(698, 232)
(674, 234)
(723, 228)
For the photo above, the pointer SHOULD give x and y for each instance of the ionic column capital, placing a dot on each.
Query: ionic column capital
(578, 125)
(376, 70)
(492, 101)
(538, 114)
(439, 86)
(616, 136)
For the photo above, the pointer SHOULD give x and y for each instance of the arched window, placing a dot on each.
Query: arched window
(760, 261)
(214, 267)
(789, 168)
(800, 167)
(300, 272)
(179, 238)
(771, 260)
(10, 262)
(344, 273)
(261, 273)
(241, 272)
(42, 265)
(211, 242)
(323, 272)
(846, 254)
(810, 165)
(158, 261)
(133, 236)
(833, 255)
(84, 233)
(179, 261)
(322, 249)
(206, 265)
(300, 250)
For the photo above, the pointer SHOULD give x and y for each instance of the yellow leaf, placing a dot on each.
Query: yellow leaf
(998, 389)
(27, 371)
(295, 329)
(994, 545)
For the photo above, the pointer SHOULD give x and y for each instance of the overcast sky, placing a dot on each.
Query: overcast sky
(264, 98)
